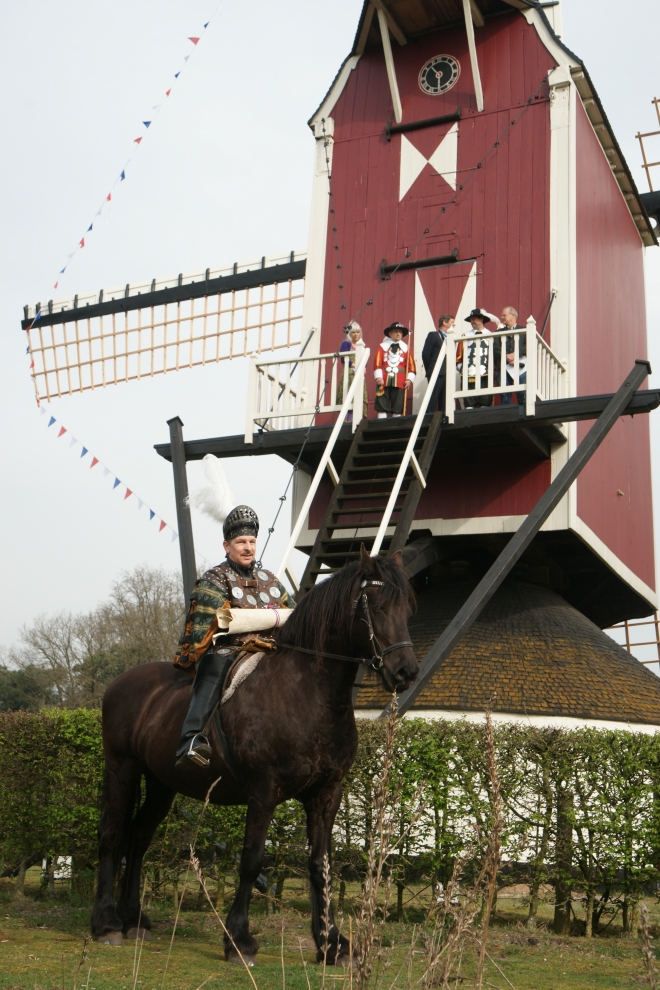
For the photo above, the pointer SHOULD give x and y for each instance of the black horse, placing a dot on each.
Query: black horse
(289, 730)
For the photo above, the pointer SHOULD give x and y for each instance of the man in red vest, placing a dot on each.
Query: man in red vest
(394, 371)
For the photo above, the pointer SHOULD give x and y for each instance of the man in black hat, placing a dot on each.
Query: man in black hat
(476, 354)
(234, 583)
(394, 371)
(430, 351)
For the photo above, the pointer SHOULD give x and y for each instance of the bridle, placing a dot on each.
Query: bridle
(377, 660)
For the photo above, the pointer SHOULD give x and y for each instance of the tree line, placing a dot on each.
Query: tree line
(581, 818)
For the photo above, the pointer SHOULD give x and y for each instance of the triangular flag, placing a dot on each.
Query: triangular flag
(140, 503)
(206, 25)
(51, 421)
(82, 243)
(117, 482)
(177, 74)
(42, 411)
(98, 213)
(73, 442)
(106, 472)
(32, 365)
(137, 140)
(89, 228)
(168, 92)
(71, 255)
(109, 196)
(186, 57)
(146, 123)
(27, 350)
(122, 176)
(62, 432)
(194, 40)
(128, 494)
(157, 107)
(84, 451)
(151, 514)
(162, 526)
(62, 270)
(175, 536)
(56, 285)
(95, 461)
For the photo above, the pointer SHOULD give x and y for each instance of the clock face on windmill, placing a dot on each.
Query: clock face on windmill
(439, 74)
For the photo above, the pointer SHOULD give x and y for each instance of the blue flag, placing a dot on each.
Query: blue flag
(151, 514)
(117, 482)
(51, 421)
(83, 451)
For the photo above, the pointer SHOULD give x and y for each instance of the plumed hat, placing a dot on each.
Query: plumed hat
(214, 499)
(241, 521)
(396, 326)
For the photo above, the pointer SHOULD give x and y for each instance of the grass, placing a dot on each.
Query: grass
(41, 946)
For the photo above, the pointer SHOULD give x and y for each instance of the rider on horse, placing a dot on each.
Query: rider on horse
(236, 583)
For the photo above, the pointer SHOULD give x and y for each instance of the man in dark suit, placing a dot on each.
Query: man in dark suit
(430, 352)
(510, 322)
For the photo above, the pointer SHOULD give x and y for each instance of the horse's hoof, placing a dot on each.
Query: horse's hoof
(140, 933)
(347, 961)
(110, 938)
(242, 960)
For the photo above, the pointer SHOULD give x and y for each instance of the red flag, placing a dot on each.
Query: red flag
(168, 92)
(95, 461)
(128, 494)
(82, 243)
(194, 40)
(162, 526)
(62, 431)
(108, 197)
(56, 285)
(32, 365)
(137, 140)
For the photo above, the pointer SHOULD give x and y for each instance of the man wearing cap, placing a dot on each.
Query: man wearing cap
(394, 371)
(236, 583)
(476, 354)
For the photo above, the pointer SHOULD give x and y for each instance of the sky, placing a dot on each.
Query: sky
(224, 174)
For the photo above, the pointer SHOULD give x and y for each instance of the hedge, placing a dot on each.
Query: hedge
(581, 807)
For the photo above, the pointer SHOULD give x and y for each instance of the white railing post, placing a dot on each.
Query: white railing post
(409, 451)
(530, 394)
(251, 398)
(450, 388)
(359, 390)
(327, 454)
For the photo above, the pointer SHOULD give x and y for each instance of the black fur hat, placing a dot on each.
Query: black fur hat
(241, 521)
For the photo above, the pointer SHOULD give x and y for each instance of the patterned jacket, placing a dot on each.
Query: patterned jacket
(257, 588)
(393, 363)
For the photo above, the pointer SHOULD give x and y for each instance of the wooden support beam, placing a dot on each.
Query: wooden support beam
(184, 522)
(469, 612)
(477, 16)
(389, 64)
(364, 33)
(395, 30)
(476, 78)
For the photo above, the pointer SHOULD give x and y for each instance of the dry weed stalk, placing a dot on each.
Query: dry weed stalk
(325, 917)
(493, 850)
(647, 948)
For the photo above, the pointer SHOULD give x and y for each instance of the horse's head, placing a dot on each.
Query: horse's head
(383, 603)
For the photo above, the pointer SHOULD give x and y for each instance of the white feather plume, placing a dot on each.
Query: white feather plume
(214, 498)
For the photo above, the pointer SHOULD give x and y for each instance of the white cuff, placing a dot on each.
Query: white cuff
(411, 376)
(378, 373)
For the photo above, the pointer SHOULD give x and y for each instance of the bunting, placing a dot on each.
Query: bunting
(116, 481)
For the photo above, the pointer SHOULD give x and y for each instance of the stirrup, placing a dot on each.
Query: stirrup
(193, 755)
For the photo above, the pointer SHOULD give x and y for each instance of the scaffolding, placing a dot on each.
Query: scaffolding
(640, 137)
(625, 632)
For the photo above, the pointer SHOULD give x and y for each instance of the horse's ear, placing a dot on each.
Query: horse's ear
(396, 559)
(366, 562)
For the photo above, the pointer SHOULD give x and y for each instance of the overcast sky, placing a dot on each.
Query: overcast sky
(223, 174)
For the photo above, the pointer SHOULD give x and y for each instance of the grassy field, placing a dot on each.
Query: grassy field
(43, 947)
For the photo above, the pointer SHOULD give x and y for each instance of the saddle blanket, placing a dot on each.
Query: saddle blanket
(240, 670)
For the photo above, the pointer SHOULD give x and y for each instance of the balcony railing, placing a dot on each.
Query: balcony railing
(284, 395)
(477, 366)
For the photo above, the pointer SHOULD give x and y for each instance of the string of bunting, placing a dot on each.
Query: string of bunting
(146, 124)
(107, 473)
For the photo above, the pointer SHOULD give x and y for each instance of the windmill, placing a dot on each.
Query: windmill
(458, 178)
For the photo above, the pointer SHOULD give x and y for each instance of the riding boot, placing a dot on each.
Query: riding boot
(194, 747)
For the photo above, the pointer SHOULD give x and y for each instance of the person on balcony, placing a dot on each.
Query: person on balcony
(476, 355)
(430, 351)
(394, 371)
(353, 334)
(510, 322)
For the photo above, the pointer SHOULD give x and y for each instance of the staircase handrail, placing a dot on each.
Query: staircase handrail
(356, 384)
(409, 452)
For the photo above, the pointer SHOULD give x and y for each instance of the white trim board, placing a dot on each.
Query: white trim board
(506, 718)
(587, 535)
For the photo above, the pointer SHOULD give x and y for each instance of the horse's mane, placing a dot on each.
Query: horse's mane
(326, 608)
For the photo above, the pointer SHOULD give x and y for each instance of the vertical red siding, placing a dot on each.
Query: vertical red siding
(501, 218)
(611, 334)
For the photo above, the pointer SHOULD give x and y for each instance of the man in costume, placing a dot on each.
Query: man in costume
(476, 355)
(394, 371)
(236, 583)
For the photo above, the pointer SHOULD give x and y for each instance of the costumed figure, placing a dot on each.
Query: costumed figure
(232, 607)
(394, 371)
(476, 354)
(353, 334)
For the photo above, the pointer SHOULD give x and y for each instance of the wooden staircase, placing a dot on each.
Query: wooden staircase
(361, 495)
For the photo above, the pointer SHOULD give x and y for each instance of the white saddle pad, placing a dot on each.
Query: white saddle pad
(241, 671)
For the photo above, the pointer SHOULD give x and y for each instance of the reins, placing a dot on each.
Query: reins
(378, 658)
